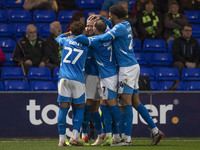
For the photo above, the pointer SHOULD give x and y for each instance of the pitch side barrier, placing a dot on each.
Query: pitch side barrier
(34, 114)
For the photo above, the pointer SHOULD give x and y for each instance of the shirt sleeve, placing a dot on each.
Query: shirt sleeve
(60, 39)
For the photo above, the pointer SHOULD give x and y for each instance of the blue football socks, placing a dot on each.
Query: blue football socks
(145, 115)
(86, 118)
(78, 118)
(128, 119)
(96, 120)
(62, 120)
(107, 118)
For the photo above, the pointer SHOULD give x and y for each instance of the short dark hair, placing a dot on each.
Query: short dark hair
(77, 28)
(118, 11)
(77, 15)
(186, 25)
(100, 25)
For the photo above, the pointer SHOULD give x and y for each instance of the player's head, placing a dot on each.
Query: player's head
(99, 27)
(31, 32)
(55, 28)
(90, 23)
(77, 28)
(117, 12)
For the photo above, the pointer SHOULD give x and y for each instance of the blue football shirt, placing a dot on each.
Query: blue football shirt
(73, 59)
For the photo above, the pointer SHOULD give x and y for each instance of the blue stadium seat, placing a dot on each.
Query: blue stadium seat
(65, 15)
(190, 74)
(193, 16)
(9, 60)
(44, 16)
(141, 58)
(170, 46)
(5, 30)
(1, 87)
(64, 27)
(137, 45)
(165, 85)
(167, 73)
(19, 29)
(147, 72)
(19, 16)
(7, 44)
(12, 73)
(12, 4)
(154, 86)
(196, 30)
(3, 16)
(192, 85)
(88, 12)
(131, 3)
(87, 3)
(44, 30)
(37, 73)
(42, 86)
(154, 45)
(159, 59)
(55, 74)
(16, 85)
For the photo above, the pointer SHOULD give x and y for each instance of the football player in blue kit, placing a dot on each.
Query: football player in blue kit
(92, 92)
(129, 71)
(104, 56)
(71, 84)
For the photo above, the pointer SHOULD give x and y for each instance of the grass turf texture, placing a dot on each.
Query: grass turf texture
(138, 144)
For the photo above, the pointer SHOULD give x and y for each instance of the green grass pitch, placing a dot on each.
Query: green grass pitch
(138, 144)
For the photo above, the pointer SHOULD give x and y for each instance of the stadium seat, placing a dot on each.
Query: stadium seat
(55, 74)
(159, 59)
(37, 73)
(131, 3)
(12, 4)
(170, 46)
(192, 85)
(42, 86)
(65, 16)
(9, 60)
(3, 16)
(64, 27)
(147, 72)
(154, 45)
(88, 12)
(16, 85)
(19, 29)
(12, 73)
(193, 16)
(141, 58)
(154, 86)
(167, 73)
(196, 30)
(19, 16)
(7, 44)
(87, 4)
(137, 45)
(1, 87)
(190, 74)
(44, 30)
(5, 30)
(44, 16)
(165, 85)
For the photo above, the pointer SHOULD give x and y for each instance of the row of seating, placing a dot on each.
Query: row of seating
(154, 73)
(19, 85)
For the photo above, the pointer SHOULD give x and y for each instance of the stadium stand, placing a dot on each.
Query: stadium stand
(55, 74)
(16, 85)
(154, 86)
(3, 16)
(9, 60)
(65, 16)
(7, 45)
(46, 16)
(147, 72)
(192, 85)
(37, 73)
(1, 87)
(42, 86)
(19, 16)
(87, 3)
(193, 16)
(167, 74)
(141, 58)
(190, 74)
(165, 85)
(5, 30)
(12, 73)
(154, 45)
(137, 45)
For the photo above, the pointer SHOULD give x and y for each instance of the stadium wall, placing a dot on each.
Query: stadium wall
(34, 114)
